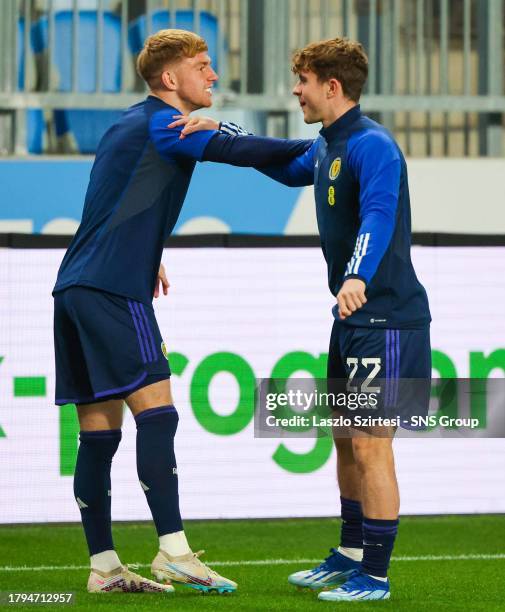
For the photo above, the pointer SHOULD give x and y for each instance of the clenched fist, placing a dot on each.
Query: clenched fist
(351, 297)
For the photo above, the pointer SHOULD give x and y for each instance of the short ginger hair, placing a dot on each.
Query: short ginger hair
(166, 47)
(336, 58)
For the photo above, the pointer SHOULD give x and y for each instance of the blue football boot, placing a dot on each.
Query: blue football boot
(359, 587)
(334, 570)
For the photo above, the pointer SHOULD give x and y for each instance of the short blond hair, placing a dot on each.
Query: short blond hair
(166, 47)
(336, 58)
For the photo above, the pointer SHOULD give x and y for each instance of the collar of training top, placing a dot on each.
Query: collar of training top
(153, 98)
(332, 131)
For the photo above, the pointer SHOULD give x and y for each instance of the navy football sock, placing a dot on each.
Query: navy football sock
(378, 541)
(351, 531)
(92, 486)
(157, 468)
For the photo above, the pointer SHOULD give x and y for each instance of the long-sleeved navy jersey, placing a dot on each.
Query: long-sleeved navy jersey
(136, 190)
(363, 215)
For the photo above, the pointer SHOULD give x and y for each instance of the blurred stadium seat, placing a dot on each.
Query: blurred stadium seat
(86, 126)
(87, 48)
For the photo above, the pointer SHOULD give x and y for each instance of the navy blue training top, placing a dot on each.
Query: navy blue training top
(363, 214)
(137, 186)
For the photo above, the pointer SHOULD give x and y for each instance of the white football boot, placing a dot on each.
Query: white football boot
(123, 580)
(189, 571)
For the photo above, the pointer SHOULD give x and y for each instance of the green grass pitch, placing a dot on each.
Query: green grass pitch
(440, 563)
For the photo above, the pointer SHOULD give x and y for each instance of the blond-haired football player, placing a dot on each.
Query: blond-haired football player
(108, 345)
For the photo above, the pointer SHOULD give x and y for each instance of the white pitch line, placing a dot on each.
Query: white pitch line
(469, 557)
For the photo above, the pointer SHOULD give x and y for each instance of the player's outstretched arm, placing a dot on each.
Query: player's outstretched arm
(253, 151)
(299, 172)
(212, 145)
(295, 173)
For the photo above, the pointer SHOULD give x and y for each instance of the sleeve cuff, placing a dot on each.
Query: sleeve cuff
(358, 276)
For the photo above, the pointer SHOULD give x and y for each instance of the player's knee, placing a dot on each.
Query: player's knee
(370, 452)
(101, 444)
(156, 424)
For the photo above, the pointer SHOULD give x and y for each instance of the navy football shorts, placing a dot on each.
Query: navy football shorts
(395, 364)
(106, 346)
